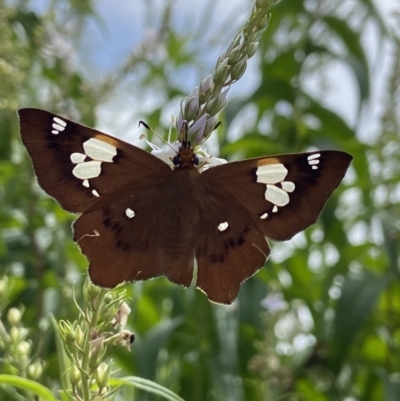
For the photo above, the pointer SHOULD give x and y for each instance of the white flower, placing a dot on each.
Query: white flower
(168, 152)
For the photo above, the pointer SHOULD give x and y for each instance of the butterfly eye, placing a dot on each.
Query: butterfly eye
(176, 160)
(196, 161)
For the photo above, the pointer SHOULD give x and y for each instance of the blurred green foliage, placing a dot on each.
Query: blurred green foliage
(322, 320)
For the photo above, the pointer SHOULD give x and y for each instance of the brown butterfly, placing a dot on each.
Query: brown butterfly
(140, 218)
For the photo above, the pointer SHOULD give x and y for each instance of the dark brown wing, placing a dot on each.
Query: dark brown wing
(127, 225)
(229, 246)
(249, 201)
(78, 165)
(285, 194)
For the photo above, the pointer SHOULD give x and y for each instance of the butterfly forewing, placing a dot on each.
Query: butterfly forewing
(77, 164)
(284, 194)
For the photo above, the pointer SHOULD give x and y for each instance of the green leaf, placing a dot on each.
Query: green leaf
(359, 296)
(356, 57)
(29, 385)
(147, 347)
(146, 385)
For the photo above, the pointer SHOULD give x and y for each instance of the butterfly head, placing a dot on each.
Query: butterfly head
(186, 157)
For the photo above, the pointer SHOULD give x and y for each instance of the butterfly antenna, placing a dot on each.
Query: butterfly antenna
(184, 133)
(143, 136)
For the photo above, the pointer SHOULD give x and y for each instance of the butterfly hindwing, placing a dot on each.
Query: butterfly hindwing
(76, 164)
(144, 235)
(229, 248)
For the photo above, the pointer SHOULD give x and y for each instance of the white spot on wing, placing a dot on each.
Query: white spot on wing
(58, 127)
(129, 213)
(55, 132)
(60, 122)
(85, 183)
(223, 226)
(271, 173)
(264, 216)
(277, 196)
(87, 170)
(313, 160)
(95, 193)
(275, 209)
(288, 186)
(99, 150)
(314, 156)
(78, 158)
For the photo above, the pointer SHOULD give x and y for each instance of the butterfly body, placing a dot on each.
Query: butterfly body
(141, 218)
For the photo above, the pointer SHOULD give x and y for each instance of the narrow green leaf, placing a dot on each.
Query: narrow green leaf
(29, 385)
(147, 385)
(359, 296)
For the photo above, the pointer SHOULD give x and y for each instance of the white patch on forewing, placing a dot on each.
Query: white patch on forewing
(288, 186)
(99, 150)
(95, 193)
(223, 226)
(277, 196)
(87, 170)
(58, 125)
(129, 213)
(271, 173)
(60, 122)
(314, 156)
(313, 160)
(78, 158)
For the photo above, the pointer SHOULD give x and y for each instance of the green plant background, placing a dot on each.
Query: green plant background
(338, 336)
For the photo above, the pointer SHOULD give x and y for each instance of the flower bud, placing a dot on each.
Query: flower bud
(35, 370)
(252, 49)
(23, 348)
(15, 335)
(262, 22)
(210, 126)
(222, 72)
(75, 376)
(205, 89)
(14, 316)
(79, 336)
(214, 105)
(197, 129)
(239, 68)
(191, 105)
(97, 353)
(102, 375)
(220, 60)
(235, 55)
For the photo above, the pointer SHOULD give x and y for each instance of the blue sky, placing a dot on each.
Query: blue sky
(121, 26)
